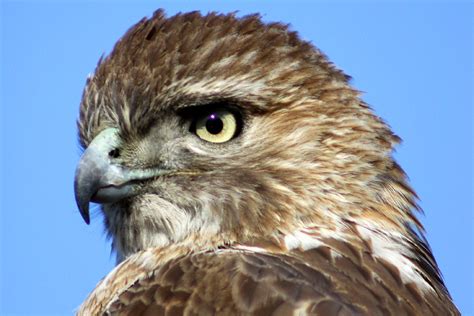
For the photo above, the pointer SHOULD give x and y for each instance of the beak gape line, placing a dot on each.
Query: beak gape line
(98, 178)
(101, 178)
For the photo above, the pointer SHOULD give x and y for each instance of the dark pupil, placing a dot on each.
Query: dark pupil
(214, 124)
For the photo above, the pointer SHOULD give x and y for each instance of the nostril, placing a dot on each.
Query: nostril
(114, 153)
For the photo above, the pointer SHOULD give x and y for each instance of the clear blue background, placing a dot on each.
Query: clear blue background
(414, 60)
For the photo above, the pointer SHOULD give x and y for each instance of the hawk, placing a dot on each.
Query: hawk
(239, 173)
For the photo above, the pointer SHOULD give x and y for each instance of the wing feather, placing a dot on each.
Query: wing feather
(231, 282)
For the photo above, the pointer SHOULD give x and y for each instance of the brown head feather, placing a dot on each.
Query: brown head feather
(311, 154)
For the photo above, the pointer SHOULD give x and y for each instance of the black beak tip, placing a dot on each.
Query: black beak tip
(86, 219)
(82, 200)
(84, 210)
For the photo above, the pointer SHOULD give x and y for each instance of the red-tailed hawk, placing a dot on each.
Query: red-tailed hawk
(239, 173)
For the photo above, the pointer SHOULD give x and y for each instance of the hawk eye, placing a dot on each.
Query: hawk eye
(216, 126)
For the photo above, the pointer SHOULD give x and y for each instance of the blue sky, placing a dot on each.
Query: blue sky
(413, 60)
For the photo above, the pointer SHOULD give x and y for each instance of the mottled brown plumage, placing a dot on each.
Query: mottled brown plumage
(301, 211)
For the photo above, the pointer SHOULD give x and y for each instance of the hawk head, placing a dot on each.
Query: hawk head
(207, 134)
(206, 131)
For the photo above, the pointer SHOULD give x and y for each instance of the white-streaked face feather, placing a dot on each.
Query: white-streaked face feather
(236, 86)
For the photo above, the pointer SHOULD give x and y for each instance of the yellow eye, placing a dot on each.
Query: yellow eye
(217, 126)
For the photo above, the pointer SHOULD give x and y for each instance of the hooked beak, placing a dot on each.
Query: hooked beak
(101, 178)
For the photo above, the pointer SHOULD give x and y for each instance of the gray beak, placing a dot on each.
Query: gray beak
(99, 177)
